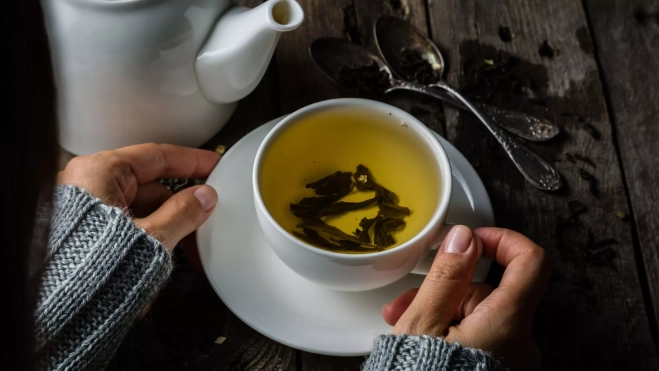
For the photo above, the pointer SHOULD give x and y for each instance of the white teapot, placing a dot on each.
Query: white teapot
(166, 71)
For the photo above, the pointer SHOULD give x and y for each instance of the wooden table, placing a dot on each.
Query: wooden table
(596, 76)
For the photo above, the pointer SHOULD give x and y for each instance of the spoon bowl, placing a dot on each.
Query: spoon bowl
(397, 39)
(413, 57)
(333, 55)
(355, 68)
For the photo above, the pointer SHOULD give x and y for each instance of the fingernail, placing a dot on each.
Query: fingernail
(458, 240)
(206, 197)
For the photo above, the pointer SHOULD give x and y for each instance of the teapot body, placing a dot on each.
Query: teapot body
(125, 72)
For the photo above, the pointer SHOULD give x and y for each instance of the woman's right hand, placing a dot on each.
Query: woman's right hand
(495, 320)
(127, 178)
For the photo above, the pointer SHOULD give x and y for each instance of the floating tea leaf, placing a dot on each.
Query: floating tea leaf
(339, 183)
(309, 207)
(312, 237)
(382, 231)
(393, 211)
(343, 207)
(320, 226)
(365, 182)
(330, 190)
(364, 179)
(365, 225)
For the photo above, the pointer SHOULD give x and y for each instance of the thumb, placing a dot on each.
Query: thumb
(440, 295)
(180, 215)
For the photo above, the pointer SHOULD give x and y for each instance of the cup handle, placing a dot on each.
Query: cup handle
(424, 266)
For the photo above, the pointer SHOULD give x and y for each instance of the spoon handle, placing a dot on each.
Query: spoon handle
(538, 172)
(519, 123)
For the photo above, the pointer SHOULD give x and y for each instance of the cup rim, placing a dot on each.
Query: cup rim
(440, 156)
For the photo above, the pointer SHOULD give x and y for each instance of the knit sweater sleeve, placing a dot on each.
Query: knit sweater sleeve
(426, 353)
(100, 273)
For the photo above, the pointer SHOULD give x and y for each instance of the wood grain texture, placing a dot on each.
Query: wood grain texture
(189, 328)
(594, 299)
(626, 34)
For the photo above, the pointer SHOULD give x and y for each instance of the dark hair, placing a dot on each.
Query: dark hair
(28, 149)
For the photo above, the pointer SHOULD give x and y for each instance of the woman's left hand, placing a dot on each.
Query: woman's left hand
(126, 178)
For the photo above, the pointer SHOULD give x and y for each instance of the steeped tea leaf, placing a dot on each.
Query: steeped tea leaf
(393, 211)
(365, 225)
(314, 238)
(364, 179)
(309, 207)
(386, 196)
(330, 190)
(382, 231)
(320, 226)
(339, 183)
(343, 207)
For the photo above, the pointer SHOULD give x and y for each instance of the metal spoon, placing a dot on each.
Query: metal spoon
(399, 42)
(337, 56)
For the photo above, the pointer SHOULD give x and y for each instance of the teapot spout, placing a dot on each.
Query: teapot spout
(237, 52)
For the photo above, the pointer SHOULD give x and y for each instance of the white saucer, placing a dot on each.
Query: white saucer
(275, 301)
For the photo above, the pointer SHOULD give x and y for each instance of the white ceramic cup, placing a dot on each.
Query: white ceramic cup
(356, 272)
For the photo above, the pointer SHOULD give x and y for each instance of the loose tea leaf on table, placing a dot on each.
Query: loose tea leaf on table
(417, 68)
(368, 79)
(330, 190)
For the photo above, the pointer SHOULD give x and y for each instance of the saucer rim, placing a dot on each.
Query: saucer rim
(265, 331)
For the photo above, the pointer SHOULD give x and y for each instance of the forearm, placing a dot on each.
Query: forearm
(100, 274)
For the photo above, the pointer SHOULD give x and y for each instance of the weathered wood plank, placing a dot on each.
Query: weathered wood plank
(626, 34)
(317, 362)
(189, 328)
(593, 316)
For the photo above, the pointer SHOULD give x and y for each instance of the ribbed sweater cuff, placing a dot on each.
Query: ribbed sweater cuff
(101, 273)
(426, 353)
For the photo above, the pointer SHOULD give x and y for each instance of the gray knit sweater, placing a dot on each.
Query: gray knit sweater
(101, 272)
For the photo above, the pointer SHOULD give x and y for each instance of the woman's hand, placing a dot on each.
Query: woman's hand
(126, 178)
(495, 320)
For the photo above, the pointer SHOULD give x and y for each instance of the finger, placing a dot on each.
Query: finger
(476, 293)
(152, 161)
(180, 215)
(442, 290)
(527, 268)
(394, 310)
(148, 198)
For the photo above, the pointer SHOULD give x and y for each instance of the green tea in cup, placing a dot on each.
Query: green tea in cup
(350, 181)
